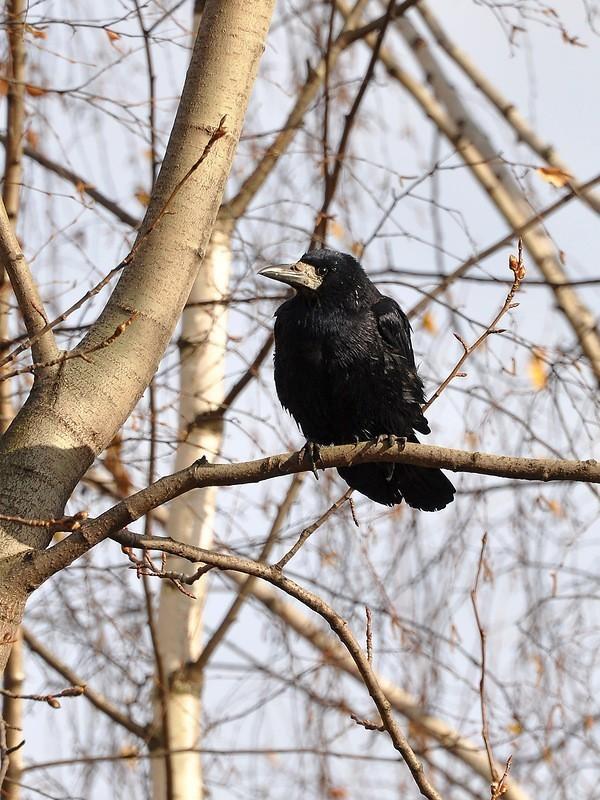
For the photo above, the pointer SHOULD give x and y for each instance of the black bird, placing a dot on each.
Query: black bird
(345, 370)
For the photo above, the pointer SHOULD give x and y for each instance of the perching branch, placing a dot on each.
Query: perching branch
(44, 564)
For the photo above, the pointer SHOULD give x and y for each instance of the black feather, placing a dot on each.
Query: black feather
(345, 370)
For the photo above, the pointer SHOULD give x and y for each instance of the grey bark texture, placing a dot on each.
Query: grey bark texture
(76, 407)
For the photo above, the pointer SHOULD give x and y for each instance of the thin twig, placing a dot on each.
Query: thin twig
(518, 270)
(488, 251)
(83, 352)
(367, 724)
(485, 734)
(307, 532)
(332, 176)
(195, 669)
(71, 523)
(369, 634)
(523, 131)
(96, 699)
(50, 699)
(216, 134)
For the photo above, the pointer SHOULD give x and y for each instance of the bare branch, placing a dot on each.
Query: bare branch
(81, 185)
(332, 177)
(449, 738)
(194, 670)
(534, 220)
(96, 699)
(485, 734)
(518, 270)
(25, 289)
(523, 131)
(451, 116)
(447, 111)
(308, 532)
(238, 204)
(45, 563)
(336, 622)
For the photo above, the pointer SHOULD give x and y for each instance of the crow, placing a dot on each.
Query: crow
(345, 370)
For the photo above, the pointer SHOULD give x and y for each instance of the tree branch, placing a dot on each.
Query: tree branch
(307, 94)
(447, 111)
(45, 563)
(25, 289)
(481, 255)
(192, 672)
(80, 183)
(523, 131)
(274, 575)
(332, 176)
(449, 738)
(96, 698)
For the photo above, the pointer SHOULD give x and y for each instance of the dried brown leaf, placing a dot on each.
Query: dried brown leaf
(142, 197)
(554, 175)
(537, 369)
(429, 323)
(37, 33)
(35, 91)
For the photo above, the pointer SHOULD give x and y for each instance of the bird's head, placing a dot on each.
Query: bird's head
(321, 273)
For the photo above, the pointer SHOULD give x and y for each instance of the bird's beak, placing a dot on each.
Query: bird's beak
(298, 275)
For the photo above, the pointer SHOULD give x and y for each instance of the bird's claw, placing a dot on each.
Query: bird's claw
(311, 451)
(387, 439)
(390, 439)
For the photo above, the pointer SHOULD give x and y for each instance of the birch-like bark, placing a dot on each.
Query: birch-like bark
(12, 706)
(74, 411)
(203, 346)
(12, 712)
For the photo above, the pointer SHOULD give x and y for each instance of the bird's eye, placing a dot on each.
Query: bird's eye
(321, 270)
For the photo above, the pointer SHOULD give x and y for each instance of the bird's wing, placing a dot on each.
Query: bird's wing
(394, 327)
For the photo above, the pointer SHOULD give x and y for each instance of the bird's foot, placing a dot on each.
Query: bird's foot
(390, 439)
(387, 439)
(311, 451)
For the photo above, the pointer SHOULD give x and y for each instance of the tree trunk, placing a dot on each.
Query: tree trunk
(75, 409)
(191, 518)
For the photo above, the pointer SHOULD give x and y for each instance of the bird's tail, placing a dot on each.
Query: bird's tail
(421, 487)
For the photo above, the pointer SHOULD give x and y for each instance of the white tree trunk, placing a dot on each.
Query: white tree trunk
(191, 517)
